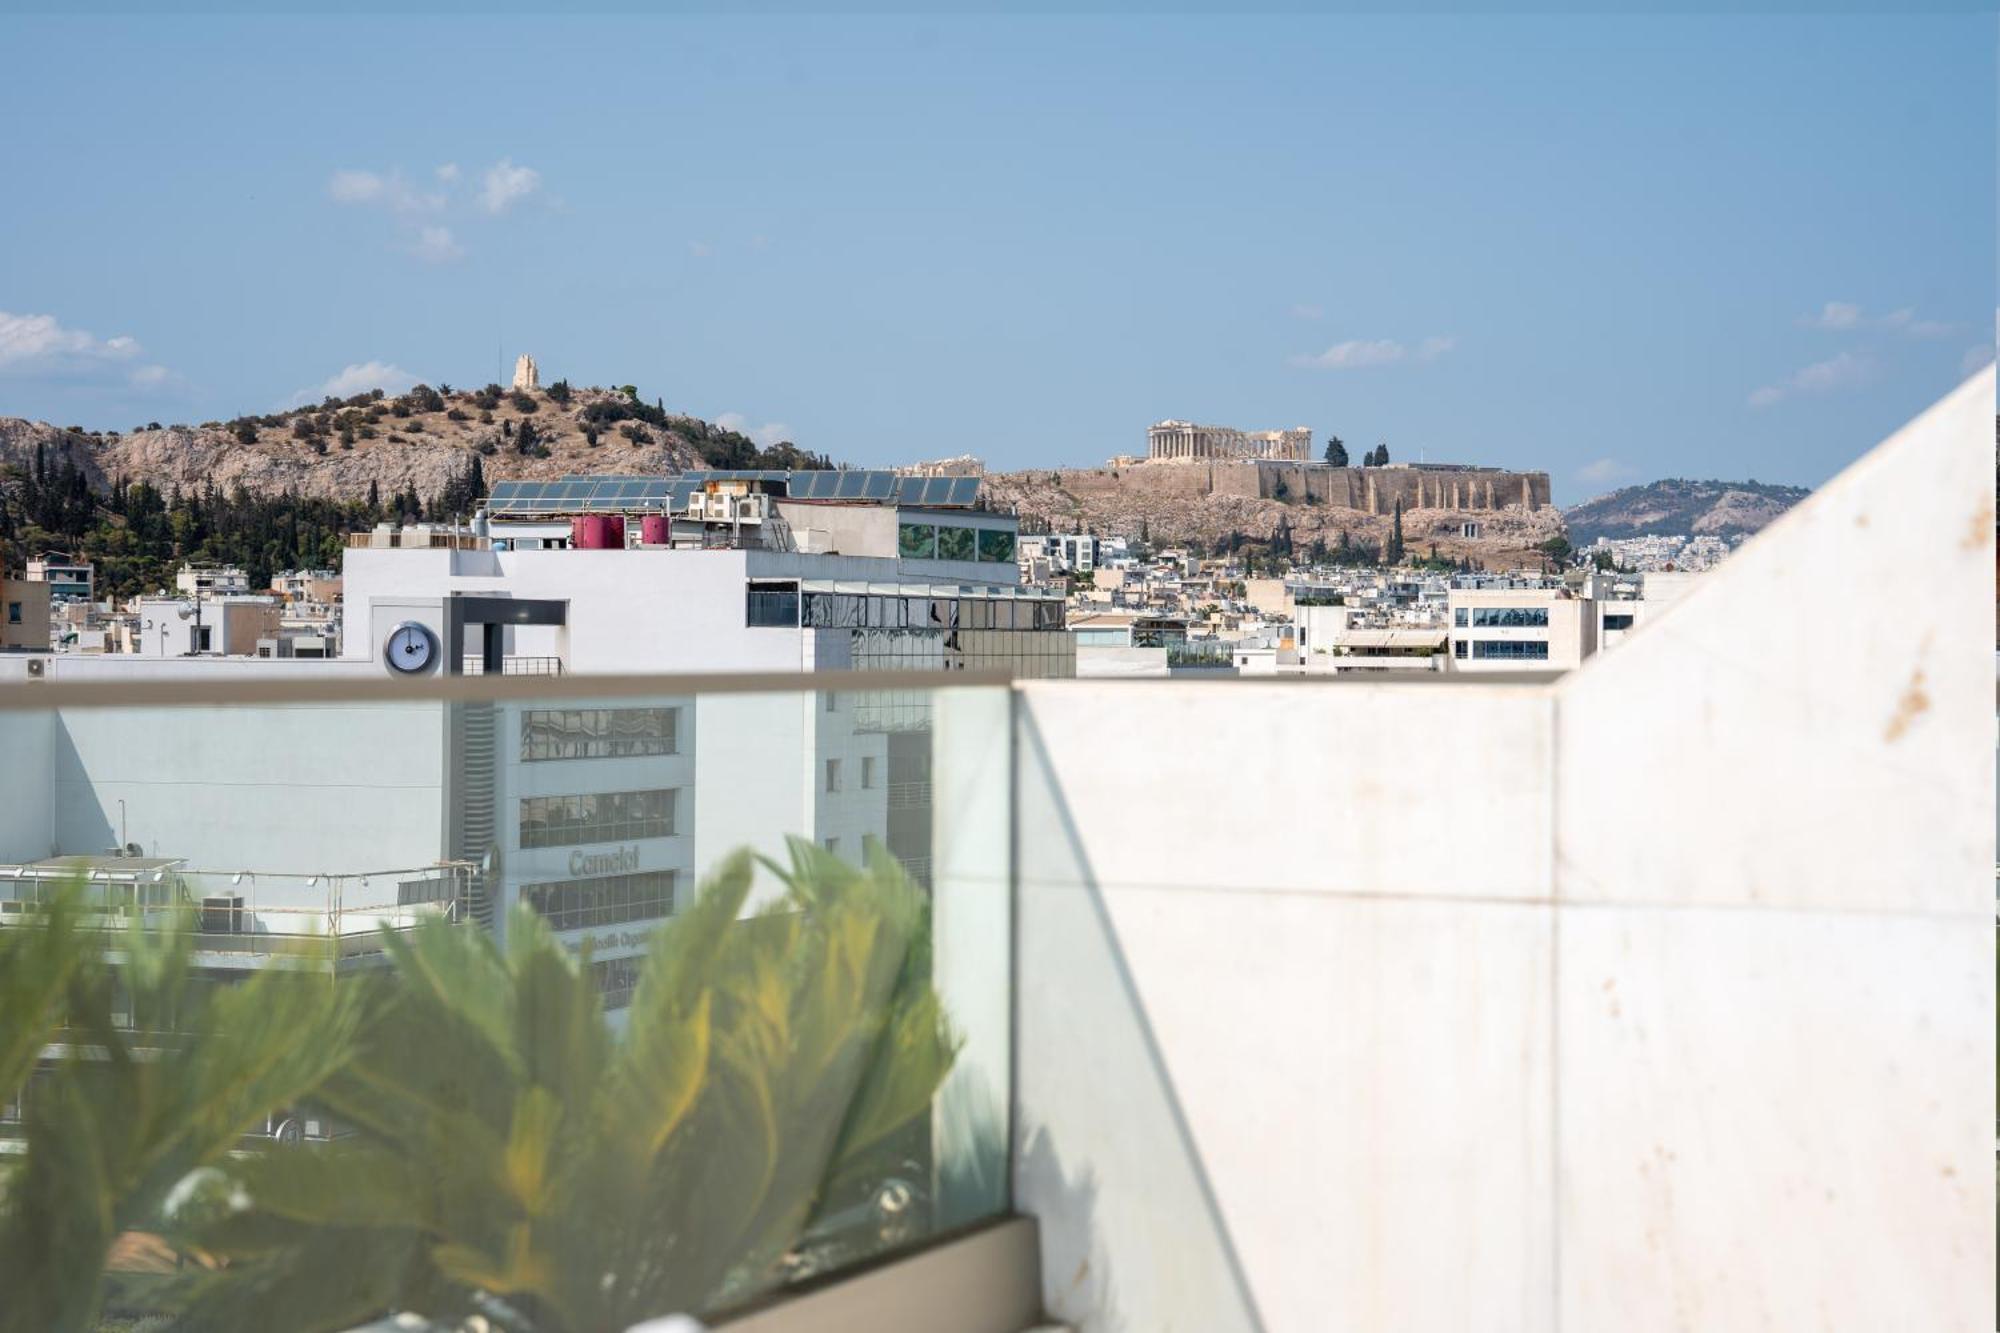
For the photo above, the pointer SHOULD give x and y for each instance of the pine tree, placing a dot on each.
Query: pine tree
(1336, 451)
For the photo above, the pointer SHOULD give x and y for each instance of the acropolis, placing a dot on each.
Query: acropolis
(1185, 442)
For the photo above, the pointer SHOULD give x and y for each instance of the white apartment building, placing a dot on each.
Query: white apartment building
(1520, 629)
(220, 626)
(211, 581)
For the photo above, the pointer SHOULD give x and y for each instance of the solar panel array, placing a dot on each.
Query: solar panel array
(868, 487)
(633, 495)
(583, 495)
(938, 492)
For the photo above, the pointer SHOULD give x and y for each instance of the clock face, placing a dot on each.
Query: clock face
(410, 648)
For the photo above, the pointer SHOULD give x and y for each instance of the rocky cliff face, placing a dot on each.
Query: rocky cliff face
(1682, 509)
(336, 452)
(1172, 505)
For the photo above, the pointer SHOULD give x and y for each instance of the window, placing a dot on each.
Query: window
(832, 698)
(867, 773)
(833, 846)
(1510, 617)
(1612, 621)
(833, 775)
(13, 613)
(955, 543)
(1458, 647)
(581, 904)
(616, 979)
(916, 541)
(612, 816)
(996, 545)
(772, 606)
(1458, 618)
(598, 733)
(1535, 650)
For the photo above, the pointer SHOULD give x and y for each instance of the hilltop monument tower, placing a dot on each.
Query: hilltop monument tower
(526, 375)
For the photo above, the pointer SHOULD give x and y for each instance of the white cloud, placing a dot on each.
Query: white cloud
(360, 378)
(766, 435)
(389, 191)
(356, 187)
(1308, 312)
(507, 184)
(436, 245)
(1836, 316)
(1906, 321)
(448, 173)
(1603, 470)
(1360, 353)
(152, 377)
(1845, 371)
(41, 345)
(1847, 317)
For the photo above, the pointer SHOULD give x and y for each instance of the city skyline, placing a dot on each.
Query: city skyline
(1764, 244)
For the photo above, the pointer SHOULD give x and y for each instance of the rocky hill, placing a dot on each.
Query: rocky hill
(422, 439)
(1681, 509)
(1172, 505)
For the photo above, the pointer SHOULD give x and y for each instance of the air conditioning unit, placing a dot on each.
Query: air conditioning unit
(222, 914)
(36, 668)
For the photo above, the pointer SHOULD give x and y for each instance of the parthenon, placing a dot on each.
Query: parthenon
(1185, 442)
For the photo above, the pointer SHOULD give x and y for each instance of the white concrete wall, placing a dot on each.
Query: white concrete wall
(1276, 1026)
(326, 788)
(27, 760)
(1662, 997)
(1776, 999)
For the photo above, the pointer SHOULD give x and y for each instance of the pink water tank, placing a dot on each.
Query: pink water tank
(654, 529)
(597, 532)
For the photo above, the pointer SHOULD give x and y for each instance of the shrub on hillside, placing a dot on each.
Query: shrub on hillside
(523, 402)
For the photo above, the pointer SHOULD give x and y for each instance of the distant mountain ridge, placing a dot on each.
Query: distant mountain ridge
(1681, 508)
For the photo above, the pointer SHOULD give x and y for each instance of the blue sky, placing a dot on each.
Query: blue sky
(1614, 249)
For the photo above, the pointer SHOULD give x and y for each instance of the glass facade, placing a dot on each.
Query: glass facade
(1618, 621)
(1515, 650)
(612, 816)
(772, 607)
(846, 610)
(1510, 617)
(954, 541)
(581, 904)
(598, 733)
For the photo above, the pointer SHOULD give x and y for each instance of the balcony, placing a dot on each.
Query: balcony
(1657, 995)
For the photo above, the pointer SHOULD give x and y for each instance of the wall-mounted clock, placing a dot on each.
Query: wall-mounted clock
(411, 648)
